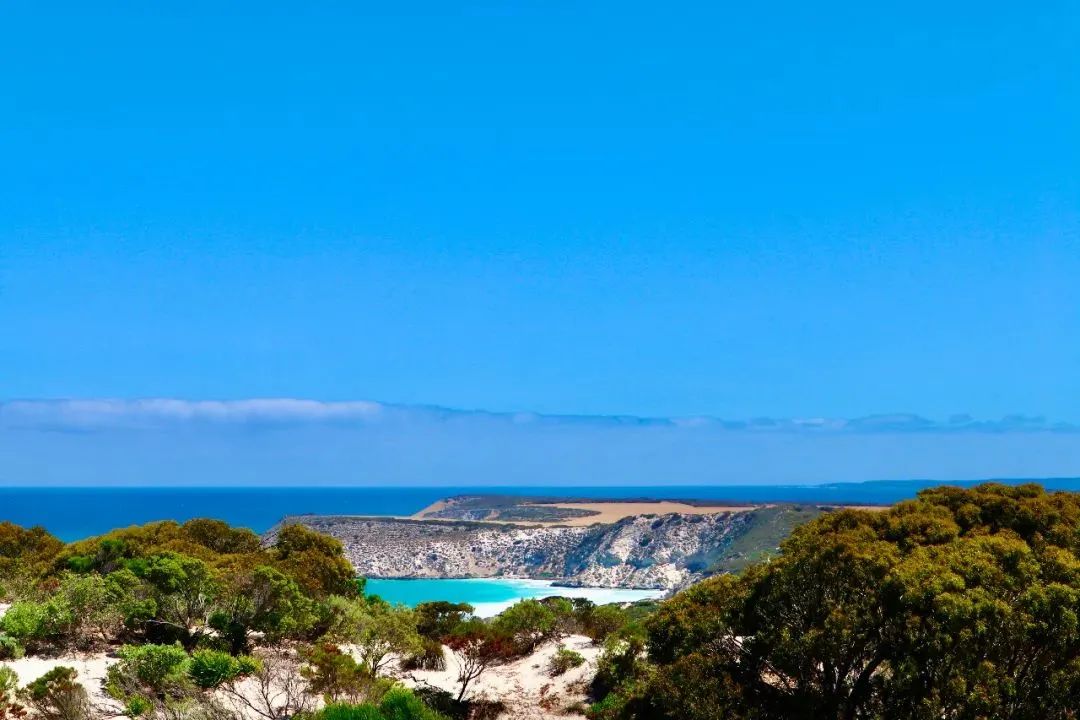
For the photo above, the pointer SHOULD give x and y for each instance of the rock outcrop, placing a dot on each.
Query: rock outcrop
(645, 551)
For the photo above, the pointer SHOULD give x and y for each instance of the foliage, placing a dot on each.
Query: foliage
(438, 619)
(10, 649)
(56, 696)
(384, 632)
(9, 708)
(601, 621)
(527, 623)
(397, 704)
(148, 672)
(212, 668)
(9, 683)
(267, 601)
(431, 656)
(348, 711)
(25, 622)
(25, 551)
(477, 647)
(959, 604)
(401, 704)
(337, 677)
(316, 561)
(182, 589)
(563, 660)
(218, 536)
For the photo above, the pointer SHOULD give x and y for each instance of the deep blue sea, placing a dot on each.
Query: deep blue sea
(74, 513)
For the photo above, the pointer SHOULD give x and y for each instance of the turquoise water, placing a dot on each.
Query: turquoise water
(492, 595)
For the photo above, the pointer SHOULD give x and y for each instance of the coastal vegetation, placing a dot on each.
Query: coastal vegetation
(207, 621)
(960, 604)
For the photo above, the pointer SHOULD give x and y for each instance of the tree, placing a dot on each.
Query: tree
(220, 537)
(316, 561)
(959, 604)
(527, 623)
(25, 553)
(600, 622)
(437, 619)
(266, 601)
(337, 677)
(477, 647)
(384, 632)
(183, 590)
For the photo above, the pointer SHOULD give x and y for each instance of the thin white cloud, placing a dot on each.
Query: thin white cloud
(91, 414)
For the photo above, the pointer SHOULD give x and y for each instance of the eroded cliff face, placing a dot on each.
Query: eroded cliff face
(657, 551)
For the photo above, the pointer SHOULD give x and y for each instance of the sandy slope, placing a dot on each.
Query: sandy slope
(524, 685)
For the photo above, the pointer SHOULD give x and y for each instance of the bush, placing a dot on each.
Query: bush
(432, 656)
(56, 696)
(336, 676)
(565, 659)
(345, 711)
(401, 704)
(211, 668)
(148, 671)
(398, 704)
(24, 621)
(603, 621)
(527, 623)
(10, 649)
(9, 681)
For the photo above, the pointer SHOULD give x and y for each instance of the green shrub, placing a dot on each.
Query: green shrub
(565, 659)
(24, 621)
(136, 706)
(528, 623)
(604, 620)
(56, 696)
(10, 649)
(345, 711)
(148, 671)
(402, 704)
(432, 656)
(211, 668)
(9, 681)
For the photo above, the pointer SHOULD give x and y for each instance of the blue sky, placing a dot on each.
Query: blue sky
(784, 210)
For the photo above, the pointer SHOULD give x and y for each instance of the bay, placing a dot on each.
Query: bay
(490, 596)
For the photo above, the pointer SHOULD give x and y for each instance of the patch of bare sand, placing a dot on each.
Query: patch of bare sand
(610, 512)
(605, 512)
(91, 668)
(526, 689)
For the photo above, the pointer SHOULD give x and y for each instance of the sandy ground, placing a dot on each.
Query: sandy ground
(606, 512)
(91, 668)
(613, 512)
(524, 686)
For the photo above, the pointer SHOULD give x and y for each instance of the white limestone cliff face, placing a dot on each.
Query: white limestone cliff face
(648, 551)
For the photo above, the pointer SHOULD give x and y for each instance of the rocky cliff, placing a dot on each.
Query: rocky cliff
(646, 551)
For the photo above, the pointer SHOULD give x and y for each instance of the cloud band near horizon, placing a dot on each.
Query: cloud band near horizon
(109, 413)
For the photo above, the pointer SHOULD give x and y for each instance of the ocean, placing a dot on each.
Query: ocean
(75, 513)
